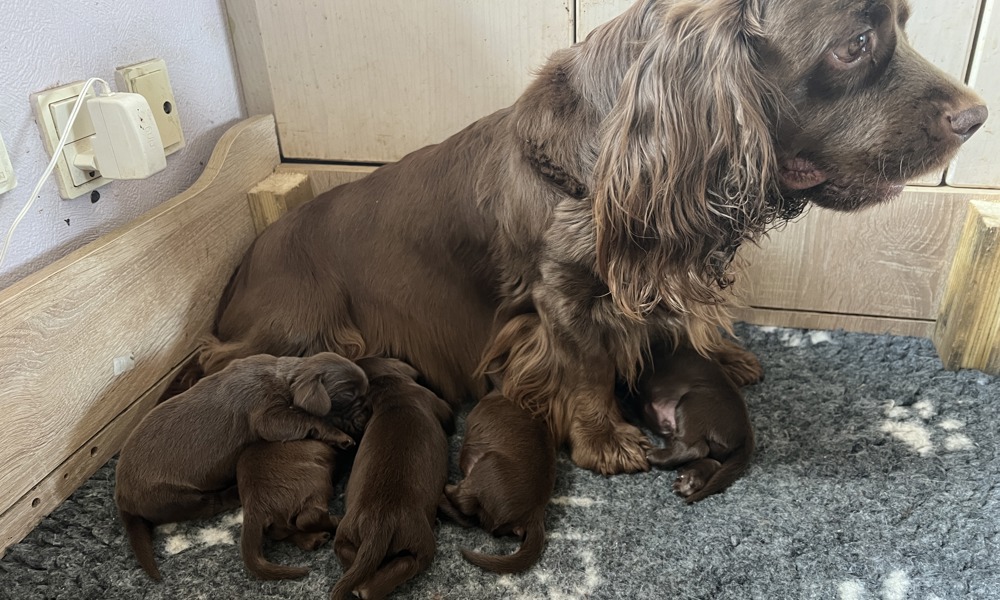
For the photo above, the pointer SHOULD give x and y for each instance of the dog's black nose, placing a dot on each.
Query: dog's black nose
(968, 121)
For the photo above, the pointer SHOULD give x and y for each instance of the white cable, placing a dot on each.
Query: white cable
(56, 155)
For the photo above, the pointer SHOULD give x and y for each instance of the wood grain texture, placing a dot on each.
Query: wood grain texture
(142, 293)
(968, 327)
(888, 261)
(371, 81)
(326, 177)
(276, 195)
(813, 320)
(976, 164)
(251, 61)
(51, 491)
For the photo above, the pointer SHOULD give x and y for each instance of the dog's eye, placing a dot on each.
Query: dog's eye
(859, 45)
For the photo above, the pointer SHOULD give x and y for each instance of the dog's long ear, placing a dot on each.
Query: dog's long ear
(686, 162)
(308, 391)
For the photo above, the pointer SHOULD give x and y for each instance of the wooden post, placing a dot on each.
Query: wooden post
(967, 335)
(276, 195)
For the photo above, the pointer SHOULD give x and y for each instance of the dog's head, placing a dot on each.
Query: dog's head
(735, 114)
(867, 112)
(329, 384)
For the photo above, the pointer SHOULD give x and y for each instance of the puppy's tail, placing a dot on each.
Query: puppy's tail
(527, 555)
(140, 537)
(371, 553)
(734, 466)
(251, 546)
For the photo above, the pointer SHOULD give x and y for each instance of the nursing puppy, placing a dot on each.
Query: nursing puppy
(285, 489)
(387, 533)
(689, 400)
(180, 461)
(508, 459)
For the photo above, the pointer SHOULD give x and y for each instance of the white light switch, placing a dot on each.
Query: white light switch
(7, 179)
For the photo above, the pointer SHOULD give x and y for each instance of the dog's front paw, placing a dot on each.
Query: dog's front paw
(741, 366)
(611, 450)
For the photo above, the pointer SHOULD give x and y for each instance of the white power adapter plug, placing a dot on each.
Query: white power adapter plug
(127, 143)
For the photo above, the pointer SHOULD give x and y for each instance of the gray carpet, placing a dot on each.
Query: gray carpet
(875, 478)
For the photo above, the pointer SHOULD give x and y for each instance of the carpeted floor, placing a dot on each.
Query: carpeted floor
(876, 477)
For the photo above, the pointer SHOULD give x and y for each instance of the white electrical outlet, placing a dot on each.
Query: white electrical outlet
(52, 108)
(150, 80)
(7, 179)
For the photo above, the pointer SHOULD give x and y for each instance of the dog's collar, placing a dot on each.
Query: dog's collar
(551, 172)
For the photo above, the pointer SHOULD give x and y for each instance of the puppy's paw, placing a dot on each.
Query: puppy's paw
(741, 366)
(613, 449)
(688, 482)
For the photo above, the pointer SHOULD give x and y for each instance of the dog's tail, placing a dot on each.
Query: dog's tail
(252, 548)
(730, 471)
(527, 555)
(140, 537)
(371, 553)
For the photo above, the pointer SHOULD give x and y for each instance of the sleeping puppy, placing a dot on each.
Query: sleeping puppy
(180, 461)
(387, 533)
(508, 459)
(285, 489)
(689, 400)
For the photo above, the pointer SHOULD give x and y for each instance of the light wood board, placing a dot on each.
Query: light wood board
(976, 164)
(371, 81)
(888, 261)
(251, 61)
(968, 328)
(141, 294)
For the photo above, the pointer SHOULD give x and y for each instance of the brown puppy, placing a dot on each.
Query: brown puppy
(285, 489)
(509, 461)
(180, 461)
(387, 533)
(689, 400)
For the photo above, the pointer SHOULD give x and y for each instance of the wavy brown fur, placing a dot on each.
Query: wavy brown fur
(606, 204)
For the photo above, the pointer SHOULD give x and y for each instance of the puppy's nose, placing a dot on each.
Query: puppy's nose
(968, 121)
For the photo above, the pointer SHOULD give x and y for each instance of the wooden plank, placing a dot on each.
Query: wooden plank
(889, 261)
(976, 164)
(813, 320)
(276, 195)
(50, 492)
(326, 177)
(968, 328)
(371, 81)
(251, 60)
(83, 338)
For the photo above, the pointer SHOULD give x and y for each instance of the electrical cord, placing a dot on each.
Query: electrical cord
(56, 155)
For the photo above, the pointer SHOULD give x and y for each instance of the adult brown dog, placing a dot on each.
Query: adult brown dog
(610, 198)
(387, 533)
(179, 463)
(689, 400)
(508, 459)
(285, 489)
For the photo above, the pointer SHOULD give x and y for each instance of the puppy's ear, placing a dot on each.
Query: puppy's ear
(308, 391)
(686, 164)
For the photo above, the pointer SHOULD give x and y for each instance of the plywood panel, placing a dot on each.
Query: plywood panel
(370, 81)
(82, 339)
(326, 177)
(976, 164)
(891, 260)
(244, 28)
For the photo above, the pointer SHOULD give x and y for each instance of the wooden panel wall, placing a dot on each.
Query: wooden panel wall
(87, 343)
(370, 81)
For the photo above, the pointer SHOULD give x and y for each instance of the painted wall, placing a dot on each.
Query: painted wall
(45, 44)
